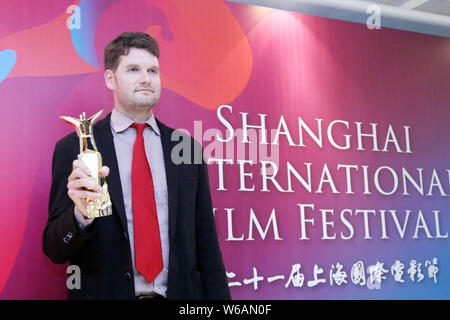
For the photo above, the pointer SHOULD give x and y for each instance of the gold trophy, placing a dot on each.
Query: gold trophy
(93, 160)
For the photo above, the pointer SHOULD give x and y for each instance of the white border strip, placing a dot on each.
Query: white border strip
(355, 11)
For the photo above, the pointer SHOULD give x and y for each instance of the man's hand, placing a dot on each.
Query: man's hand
(82, 186)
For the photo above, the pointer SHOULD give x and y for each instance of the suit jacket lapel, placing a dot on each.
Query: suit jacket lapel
(105, 144)
(171, 177)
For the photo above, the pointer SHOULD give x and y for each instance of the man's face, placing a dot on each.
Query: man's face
(136, 83)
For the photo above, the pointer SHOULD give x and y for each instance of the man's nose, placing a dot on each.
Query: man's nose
(144, 78)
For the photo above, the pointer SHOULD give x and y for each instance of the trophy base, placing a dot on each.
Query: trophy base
(97, 213)
(100, 207)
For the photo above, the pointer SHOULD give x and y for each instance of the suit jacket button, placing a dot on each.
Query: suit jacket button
(127, 276)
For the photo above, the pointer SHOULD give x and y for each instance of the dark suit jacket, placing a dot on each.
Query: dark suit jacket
(102, 250)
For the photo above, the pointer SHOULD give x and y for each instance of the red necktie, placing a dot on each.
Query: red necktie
(147, 241)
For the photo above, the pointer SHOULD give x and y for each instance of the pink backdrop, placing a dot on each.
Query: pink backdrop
(258, 61)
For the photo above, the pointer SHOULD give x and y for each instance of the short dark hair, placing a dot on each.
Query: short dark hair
(121, 45)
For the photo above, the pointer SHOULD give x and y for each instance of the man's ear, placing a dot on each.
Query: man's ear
(109, 79)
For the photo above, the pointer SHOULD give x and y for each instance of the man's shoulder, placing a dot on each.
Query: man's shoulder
(69, 139)
(163, 128)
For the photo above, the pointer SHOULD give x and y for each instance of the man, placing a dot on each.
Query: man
(160, 241)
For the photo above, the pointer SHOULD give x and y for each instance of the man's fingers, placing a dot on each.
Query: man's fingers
(80, 164)
(87, 183)
(84, 194)
(80, 170)
(78, 173)
(103, 172)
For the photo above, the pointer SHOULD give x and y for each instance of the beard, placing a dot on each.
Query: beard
(135, 103)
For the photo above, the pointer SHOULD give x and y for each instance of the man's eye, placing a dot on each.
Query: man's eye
(133, 69)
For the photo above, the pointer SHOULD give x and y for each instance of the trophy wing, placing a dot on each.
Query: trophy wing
(95, 116)
(76, 122)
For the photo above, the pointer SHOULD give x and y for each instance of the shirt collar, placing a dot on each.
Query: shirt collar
(120, 122)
